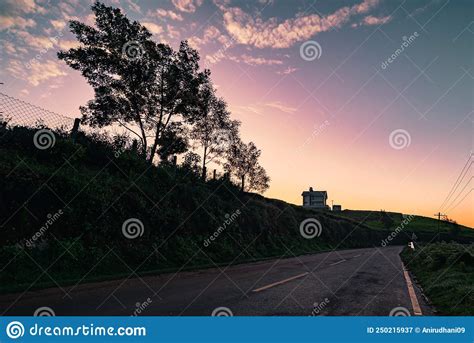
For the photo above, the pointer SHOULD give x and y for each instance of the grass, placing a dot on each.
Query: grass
(421, 226)
(446, 273)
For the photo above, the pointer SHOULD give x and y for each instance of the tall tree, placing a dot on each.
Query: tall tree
(242, 162)
(138, 83)
(213, 130)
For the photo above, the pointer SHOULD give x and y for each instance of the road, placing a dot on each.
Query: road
(345, 282)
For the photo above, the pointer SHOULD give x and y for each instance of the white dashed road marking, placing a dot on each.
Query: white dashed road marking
(280, 282)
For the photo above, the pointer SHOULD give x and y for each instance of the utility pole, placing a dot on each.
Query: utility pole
(439, 215)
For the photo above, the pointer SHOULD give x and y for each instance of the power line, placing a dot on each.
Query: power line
(448, 207)
(458, 180)
(462, 199)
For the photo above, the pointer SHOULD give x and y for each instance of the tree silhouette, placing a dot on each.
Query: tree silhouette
(242, 162)
(214, 129)
(142, 85)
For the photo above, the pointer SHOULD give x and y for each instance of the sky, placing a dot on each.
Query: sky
(370, 100)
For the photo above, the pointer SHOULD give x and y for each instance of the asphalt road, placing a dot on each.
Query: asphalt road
(346, 282)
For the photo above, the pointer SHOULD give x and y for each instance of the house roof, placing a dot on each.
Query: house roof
(316, 193)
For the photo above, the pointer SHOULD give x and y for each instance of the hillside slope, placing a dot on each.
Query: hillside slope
(92, 209)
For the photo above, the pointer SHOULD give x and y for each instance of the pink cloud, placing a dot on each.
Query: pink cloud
(254, 61)
(167, 14)
(287, 71)
(153, 28)
(8, 22)
(188, 6)
(271, 34)
(37, 72)
(371, 20)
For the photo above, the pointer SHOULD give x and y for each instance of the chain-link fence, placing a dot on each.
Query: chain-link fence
(19, 112)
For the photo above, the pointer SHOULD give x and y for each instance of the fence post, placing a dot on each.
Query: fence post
(214, 174)
(175, 159)
(75, 129)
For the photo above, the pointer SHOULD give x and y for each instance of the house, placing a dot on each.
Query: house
(315, 199)
(337, 208)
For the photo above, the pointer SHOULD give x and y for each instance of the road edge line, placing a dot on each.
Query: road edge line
(411, 291)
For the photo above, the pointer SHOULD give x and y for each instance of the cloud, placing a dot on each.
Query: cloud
(281, 107)
(254, 31)
(255, 61)
(263, 108)
(371, 20)
(134, 6)
(166, 14)
(153, 28)
(21, 6)
(211, 34)
(58, 24)
(287, 71)
(38, 71)
(68, 44)
(36, 42)
(9, 22)
(188, 6)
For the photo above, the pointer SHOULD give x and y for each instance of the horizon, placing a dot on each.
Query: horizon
(317, 118)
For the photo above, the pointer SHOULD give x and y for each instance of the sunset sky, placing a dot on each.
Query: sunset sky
(375, 131)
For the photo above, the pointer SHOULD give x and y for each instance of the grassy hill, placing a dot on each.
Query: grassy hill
(423, 227)
(63, 211)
